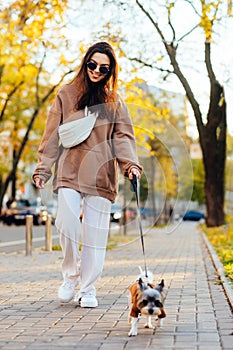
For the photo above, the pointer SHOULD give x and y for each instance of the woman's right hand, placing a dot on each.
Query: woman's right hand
(39, 183)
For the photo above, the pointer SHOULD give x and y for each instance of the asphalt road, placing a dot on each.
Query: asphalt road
(12, 238)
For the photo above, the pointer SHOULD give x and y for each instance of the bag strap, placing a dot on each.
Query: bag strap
(87, 113)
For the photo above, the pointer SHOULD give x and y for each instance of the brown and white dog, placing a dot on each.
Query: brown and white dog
(146, 299)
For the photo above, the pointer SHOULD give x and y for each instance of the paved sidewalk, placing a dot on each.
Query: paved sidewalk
(198, 314)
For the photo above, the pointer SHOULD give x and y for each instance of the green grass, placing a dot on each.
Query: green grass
(221, 239)
(118, 240)
(114, 241)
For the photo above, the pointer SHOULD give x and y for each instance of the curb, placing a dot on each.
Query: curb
(227, 286)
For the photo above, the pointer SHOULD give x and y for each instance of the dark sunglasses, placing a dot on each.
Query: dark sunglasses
(93, 65)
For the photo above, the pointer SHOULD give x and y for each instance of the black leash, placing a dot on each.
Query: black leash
(134, 187)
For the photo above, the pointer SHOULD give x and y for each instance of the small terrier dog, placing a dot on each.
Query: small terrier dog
(146, 299)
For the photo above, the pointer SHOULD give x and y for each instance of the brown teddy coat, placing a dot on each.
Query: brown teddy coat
(91, 166)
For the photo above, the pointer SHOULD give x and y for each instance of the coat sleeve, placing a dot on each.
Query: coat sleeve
(124, 144)
(49, 147)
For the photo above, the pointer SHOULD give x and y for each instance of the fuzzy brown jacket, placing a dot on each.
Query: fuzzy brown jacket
(91, 166)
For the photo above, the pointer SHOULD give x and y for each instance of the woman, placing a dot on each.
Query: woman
(87, 172)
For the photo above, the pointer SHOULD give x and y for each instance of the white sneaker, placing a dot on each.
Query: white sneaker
(66, 291)
(86, 300)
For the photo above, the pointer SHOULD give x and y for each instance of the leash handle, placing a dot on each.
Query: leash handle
(134, 183)
(134, 187)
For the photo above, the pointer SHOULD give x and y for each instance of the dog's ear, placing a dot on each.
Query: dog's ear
(142, 285)
(158, 304)
(160, 286)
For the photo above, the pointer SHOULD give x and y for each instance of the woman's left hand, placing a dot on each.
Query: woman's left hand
(134, 171)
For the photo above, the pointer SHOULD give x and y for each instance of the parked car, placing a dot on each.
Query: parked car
(193, 215)
(146, 212)
(50, 209)
(18, 210)
(117, 213)
(130, 213)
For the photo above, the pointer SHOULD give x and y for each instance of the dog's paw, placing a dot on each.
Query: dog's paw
(134, 329)
(160, 322)
(149, 325)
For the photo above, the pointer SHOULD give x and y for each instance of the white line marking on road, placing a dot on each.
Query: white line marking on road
(22, 241)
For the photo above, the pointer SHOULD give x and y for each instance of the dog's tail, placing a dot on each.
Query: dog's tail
(140, 269)
(147, 279)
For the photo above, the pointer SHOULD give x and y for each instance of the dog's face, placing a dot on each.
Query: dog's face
(149, 300)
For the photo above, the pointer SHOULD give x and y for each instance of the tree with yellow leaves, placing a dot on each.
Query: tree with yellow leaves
(31, 42)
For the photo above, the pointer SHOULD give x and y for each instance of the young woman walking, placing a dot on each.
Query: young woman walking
(87, 172)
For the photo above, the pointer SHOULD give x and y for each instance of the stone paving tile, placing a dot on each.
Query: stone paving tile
(198, 313)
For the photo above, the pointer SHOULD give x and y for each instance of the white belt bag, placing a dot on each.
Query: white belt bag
(77, 131)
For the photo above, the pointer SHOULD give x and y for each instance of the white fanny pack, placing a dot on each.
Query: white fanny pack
(73, 133)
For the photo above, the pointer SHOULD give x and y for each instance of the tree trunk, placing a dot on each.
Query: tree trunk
(214, 181)
(14, 178)
(213, 143)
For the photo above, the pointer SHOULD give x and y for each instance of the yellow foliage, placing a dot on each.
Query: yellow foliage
(121, 53)
(169, 8)
(208, 17)
(229, 10)
(148, 119)
(222, 240)
(24, 25)
(82, 48)
(62, 59)
(221, 101)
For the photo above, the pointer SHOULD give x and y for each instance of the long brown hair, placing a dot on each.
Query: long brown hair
(92, 94)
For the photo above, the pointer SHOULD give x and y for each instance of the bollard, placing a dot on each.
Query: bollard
(48, 234)
(29, 222)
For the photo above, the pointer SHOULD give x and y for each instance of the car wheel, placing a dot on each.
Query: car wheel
(8, 221)
(37, 220)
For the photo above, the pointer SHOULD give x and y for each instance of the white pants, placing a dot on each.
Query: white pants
(93, 230)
